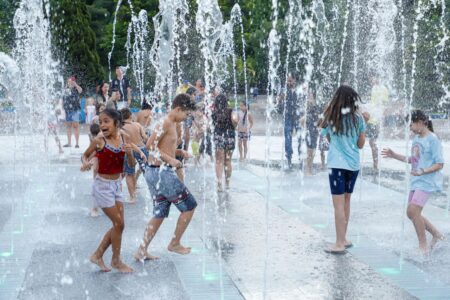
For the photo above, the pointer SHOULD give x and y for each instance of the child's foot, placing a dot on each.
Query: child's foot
(424, 250)
(348, 244)
(121, 267)
(179, 249)
(76, 146)
(144, 255)
(227, 184)
(67, 145)
(219, 187)
(61, 151)
(335, 249)
(94, 213)
(99, 262)
(131, 200)
(435, 240)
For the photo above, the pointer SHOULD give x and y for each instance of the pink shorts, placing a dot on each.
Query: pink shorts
(418, 197)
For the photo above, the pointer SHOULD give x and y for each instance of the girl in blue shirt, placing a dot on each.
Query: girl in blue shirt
(344, 128)
(426, 162)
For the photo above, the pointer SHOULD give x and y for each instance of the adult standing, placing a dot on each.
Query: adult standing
(224, 121)
(122, 84)
(72, 107)
(102, 95)
(379, 97)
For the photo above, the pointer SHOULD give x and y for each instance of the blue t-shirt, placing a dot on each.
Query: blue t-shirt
(425, 152)
(344, 151)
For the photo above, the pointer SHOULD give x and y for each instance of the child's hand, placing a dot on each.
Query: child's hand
(418, 172)
(86, 166)
(387, 152)
(128, 148)
(366, 116)
(185, 154)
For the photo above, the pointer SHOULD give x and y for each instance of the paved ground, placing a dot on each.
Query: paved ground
(264, 236)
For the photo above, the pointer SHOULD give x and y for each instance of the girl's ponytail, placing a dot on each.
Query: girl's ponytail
(419, 115)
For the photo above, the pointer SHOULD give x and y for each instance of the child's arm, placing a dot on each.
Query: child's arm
(432, 169)
(388, 152)
(250, 121)
(127, 147)
(85, 159)
(361, 140)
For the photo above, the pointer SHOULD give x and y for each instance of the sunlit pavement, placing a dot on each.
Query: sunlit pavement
(245, 244)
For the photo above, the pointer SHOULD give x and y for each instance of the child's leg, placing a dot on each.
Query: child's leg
(182, 224)
(414, 214)
(115, 214)
(131, 184)
(374, 147)
(245, 143)
(241, 150)
(434, 232)
(340, 221)
(227, 167)
(220, 157)
(309, 160)
(76, 128)
(150, 231)
(69, 133)
(322, 158)
(347, 197)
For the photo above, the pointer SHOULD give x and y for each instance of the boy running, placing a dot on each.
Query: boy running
(164, 185)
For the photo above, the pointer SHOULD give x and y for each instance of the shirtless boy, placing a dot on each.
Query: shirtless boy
(164, 185)
(144, 116)
(137, 136)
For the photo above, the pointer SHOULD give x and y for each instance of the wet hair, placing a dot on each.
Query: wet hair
(125, 113)
(341, 112)
(191, 91)
(146, 105)
(222, 114)
(184, 102)
(418, 115)
(113, 114)
(94, 129)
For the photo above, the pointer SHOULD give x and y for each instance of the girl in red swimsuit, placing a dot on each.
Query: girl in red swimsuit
(107, 190)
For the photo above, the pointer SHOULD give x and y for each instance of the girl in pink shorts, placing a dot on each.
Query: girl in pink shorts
(426, 162)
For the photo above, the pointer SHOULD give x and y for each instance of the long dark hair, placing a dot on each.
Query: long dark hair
(341, 112)
(418, 115)
(222, 114)
(100, 90)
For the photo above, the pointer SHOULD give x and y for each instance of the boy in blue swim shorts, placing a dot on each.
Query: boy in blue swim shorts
(164, 185)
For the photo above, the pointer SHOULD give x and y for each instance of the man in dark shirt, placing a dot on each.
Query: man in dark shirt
(71, 105)
(123, 85)
(291, 116)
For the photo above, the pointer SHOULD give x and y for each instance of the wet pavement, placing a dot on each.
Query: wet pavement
(263, 237)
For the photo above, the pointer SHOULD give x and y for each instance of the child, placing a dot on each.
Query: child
(110, 151)
(94, 131)
(344, 128)
(244, 127)
(164, 185)
(89, 110)
(198, 129)
(98, 109)
(52, 125)
(426, 162)
(309, 122)
(136, 136)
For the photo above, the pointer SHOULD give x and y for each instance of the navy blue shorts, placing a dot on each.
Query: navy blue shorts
(342, 181)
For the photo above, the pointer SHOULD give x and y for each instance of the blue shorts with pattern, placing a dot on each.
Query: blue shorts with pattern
(167, 189)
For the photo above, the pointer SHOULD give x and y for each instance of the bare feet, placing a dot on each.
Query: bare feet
(144, 255)
(121, 267)
(348, 244)
(131, 200)
(99, 262)
(179, 249)
(335, 249)
(435, 240)
(424, 250)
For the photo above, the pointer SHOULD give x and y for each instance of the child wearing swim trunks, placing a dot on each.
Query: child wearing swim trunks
(344, 128)
(426, 162)
(164, 185)
(110, 149)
